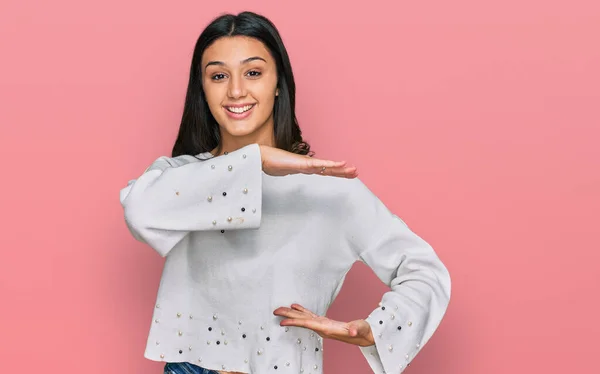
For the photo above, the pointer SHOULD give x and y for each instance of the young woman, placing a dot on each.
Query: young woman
(258, 235)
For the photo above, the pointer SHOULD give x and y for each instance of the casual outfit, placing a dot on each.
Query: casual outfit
(239, 244)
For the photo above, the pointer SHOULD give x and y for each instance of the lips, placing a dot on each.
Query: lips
(239, 112)
(239, 109)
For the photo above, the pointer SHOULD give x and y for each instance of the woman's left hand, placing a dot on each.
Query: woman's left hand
(357, 332)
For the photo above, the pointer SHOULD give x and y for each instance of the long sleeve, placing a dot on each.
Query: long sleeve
(419, 283)
(173, 198)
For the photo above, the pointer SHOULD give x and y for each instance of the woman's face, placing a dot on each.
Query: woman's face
(239, 78)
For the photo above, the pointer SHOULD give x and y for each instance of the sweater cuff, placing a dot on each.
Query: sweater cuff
(397, 340)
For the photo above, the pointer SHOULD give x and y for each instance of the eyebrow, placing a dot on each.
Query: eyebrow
(221, 63)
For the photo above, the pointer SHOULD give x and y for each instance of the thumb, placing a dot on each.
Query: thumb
(352, 330)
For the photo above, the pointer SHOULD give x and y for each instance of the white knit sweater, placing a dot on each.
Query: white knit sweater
(240, 243)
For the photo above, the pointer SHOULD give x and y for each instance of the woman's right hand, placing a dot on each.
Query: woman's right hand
(277, 162)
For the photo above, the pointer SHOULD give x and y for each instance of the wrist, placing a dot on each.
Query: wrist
(369, 338)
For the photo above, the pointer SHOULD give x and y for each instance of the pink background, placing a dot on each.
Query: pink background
(476, 121)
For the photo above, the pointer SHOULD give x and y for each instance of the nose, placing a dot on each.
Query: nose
(236, 87)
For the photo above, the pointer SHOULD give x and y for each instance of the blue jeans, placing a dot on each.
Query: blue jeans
(186, 368)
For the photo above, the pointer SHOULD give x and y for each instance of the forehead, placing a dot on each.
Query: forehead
(234, 49)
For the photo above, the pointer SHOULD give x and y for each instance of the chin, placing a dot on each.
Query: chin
(240, 129)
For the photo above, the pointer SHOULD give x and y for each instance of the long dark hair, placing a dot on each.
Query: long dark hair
(199, 131)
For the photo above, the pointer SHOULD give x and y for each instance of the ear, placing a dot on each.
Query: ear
(277, 92)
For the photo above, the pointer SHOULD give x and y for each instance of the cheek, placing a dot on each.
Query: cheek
(212, 96)
(266, 94)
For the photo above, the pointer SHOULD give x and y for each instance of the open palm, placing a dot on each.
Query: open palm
(278, 162)
(356, 332)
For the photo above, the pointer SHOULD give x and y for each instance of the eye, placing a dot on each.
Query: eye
(254, 73)
(217, 77)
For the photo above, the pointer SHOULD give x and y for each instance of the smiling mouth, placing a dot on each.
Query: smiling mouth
(239, 110)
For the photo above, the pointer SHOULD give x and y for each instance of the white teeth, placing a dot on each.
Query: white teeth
(239, 109)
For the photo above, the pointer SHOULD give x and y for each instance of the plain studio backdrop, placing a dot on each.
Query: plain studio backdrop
(477, 122)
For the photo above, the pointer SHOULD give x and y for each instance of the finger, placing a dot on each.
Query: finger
(359, 329)
(331, 168)
(340, 172)
(290, 313)
(353, 331)
(324, 330)
(303, 309)
(312, 163)
(312, 324)
(345, 172)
